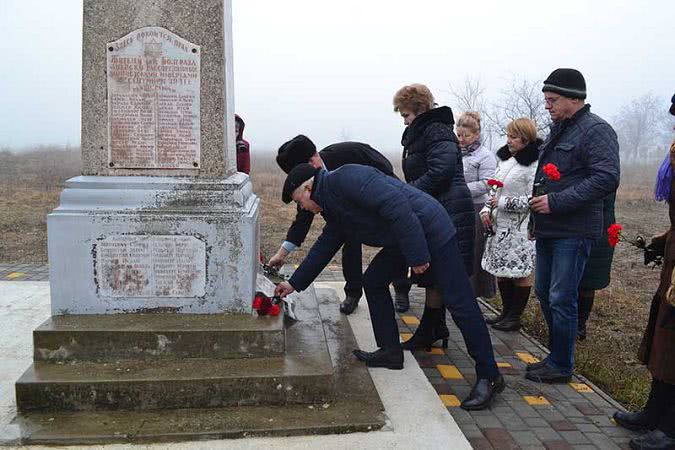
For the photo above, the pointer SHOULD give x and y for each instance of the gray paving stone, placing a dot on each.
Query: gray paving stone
(574, 437)
(588, 428)
(488, 422)
(534, 422)
(547, 434)
(524, 438)
(472, 431)
(602, 441)
(601, 421)
(525, 411)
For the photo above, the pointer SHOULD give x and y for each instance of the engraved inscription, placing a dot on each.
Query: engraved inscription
(153, 101)
(151, 266)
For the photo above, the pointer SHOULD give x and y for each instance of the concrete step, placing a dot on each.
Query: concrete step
(147, 336)
(185, 383)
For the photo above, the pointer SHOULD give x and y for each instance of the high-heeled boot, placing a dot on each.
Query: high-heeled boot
(424, 334)
(511, 322)
(505, 292)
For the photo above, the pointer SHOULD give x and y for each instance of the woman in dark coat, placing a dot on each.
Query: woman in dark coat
(432, 163)
(657, 350)
(598, 268)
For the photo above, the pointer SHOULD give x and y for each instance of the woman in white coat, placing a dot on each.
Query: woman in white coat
(509, 254)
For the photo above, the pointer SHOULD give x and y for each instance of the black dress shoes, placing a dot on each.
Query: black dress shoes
(547, 374)
(637, 421)
(654, 440)
(390, 358)
(349, 305)
(482, 393)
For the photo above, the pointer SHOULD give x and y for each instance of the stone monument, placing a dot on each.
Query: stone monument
(153, 255)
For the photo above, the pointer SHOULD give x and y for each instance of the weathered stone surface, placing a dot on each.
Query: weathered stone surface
(153, 79)
(222, 215)
(150, 336)
(205, 23)
(355, 407)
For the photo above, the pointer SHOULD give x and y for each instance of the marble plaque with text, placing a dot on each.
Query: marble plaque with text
(150, 266)
(153, 79)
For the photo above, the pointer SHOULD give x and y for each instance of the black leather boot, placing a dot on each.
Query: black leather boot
(637, 421)
(441, 331)
(424, 334)
(401, 301)
(505, 286)
(349, 305)
(511, 322)
(483, 393)
(654, 440)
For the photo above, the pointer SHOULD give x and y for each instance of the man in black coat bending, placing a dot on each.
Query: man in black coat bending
(300, 150)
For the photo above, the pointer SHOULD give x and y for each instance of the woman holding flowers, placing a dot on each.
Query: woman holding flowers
(509, 254)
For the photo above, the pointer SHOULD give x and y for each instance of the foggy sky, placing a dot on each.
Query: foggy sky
(330, 69)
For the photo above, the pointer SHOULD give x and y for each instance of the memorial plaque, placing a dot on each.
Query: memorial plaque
(153, 101)
(150, 266)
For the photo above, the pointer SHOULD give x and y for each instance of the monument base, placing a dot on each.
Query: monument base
(321, 336)
(154, 244)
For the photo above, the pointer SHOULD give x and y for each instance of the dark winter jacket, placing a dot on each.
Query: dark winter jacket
(243, 148)
(362, 205)
(599, 264)
(432, 162)
(334, 156)
(586, 151)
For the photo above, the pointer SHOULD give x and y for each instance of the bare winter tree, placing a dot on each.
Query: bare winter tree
(644, 129)
(523, 98)
(470, 96)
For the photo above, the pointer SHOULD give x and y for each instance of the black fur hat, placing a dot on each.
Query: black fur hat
(296, 151)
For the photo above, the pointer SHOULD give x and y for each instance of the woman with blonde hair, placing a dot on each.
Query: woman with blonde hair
(432, 162)
(479, 166)
(509, 253)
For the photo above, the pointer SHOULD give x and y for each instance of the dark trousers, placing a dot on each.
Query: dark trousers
(451, 280)
(353, 272)
(660, 407)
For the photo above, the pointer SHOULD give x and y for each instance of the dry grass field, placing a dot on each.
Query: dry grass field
(30, 184)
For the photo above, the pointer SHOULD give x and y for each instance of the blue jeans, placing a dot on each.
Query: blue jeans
(560, 266)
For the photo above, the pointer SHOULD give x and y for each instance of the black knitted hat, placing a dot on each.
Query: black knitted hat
(566, 82)
(296, 151)
(298, 175)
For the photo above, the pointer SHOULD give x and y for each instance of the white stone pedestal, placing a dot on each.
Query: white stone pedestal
(154, 244)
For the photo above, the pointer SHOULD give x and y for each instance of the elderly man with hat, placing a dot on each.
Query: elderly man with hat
(301, 149)
(361, 204)
(567, 214)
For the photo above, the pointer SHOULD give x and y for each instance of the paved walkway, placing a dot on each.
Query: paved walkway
(526, 415)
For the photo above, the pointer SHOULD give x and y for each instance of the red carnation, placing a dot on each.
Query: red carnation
(552, 172)
(274, 310)
(495, 183)
(257, 303)
(614, 234)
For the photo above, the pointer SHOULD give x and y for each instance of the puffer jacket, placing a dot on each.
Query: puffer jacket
(586, 151)
(432, 162)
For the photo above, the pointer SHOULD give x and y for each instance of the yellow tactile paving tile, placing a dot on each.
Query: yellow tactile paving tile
(405, 336)
(527, 358)
(504, 365)
(15, 275)
(581, 387)
(450, 400)
(535, 400)
(449, 372)
(436, 351)
(410, 320)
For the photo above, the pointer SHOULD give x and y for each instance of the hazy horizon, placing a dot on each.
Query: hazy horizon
(330, 70)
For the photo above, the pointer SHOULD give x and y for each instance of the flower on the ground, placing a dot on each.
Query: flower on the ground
(264, 305)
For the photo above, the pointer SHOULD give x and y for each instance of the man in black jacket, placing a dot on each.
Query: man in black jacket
(300, 150)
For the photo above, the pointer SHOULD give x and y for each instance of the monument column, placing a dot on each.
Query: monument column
(159, 220)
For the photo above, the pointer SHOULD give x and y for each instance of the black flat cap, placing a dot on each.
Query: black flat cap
(296, 151)
(298, 175)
